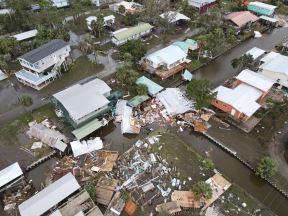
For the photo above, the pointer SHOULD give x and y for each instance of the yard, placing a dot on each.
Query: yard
(232, 201)
(15, 144)
(189, 163)
(80, 69)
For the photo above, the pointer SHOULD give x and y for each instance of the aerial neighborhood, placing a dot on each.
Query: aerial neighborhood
(143, 107)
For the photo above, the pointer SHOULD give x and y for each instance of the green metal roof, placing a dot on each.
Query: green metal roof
(137, 100)
(87, 129)
(142, 27)
(153, 88)
(259, 9)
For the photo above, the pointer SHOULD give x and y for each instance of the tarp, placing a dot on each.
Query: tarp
(87, 129)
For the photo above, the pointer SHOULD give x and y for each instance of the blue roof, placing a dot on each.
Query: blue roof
(187, 75)
(153, 88)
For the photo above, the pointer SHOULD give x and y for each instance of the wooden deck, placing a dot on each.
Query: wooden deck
(164, 74)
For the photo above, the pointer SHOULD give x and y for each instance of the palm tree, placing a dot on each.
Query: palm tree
(202, 44)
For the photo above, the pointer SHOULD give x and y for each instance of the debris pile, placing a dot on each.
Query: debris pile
(86, 165)
(14, 196)
(147, 177)
(153, 111)
(124, 114)
(47, 135)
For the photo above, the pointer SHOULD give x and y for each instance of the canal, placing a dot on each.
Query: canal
(229, 166)
(220, 69)
(217, 71)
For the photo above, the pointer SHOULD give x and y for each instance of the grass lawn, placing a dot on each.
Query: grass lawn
(13, 135)
(188, 164)
(237, 196)
(180, 155)
(79, 70)
(9, 131)
(273, 120)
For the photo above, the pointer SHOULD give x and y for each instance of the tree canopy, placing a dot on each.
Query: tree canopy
(98, 25)
(202, 189)
(126, 74)
(135, 48)
(243, 62)
(200, 91)
(141, 89)
(266, 167)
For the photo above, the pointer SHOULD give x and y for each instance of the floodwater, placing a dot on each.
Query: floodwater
(217, 72)
(220, 70)
(224, 162)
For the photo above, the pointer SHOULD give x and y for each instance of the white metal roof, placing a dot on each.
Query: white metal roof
(10, 173)
(256, 80)
(26, 35)
(167, 55)
(174, 101)
(56, 213)
(94, 18)
(263, 5)
(174, 16)
(49, 196)
(243, 98)
(129, 5)
(82, 99)
(84, 147)
(275, 62)
(5, 11)
(255, 52)
(270, 19)
(270, 56)
(199, 3)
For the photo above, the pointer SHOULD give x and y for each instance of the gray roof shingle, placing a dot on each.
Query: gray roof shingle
(45, 50)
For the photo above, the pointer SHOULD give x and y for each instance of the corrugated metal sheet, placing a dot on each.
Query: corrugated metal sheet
(10, 173)
(49, 196)
(87, 129)
(132, 31)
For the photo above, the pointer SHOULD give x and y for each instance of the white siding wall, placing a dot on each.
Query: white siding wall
(47, 62)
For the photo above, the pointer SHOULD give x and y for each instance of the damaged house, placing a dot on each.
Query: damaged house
(50, 196)
(84, 113)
